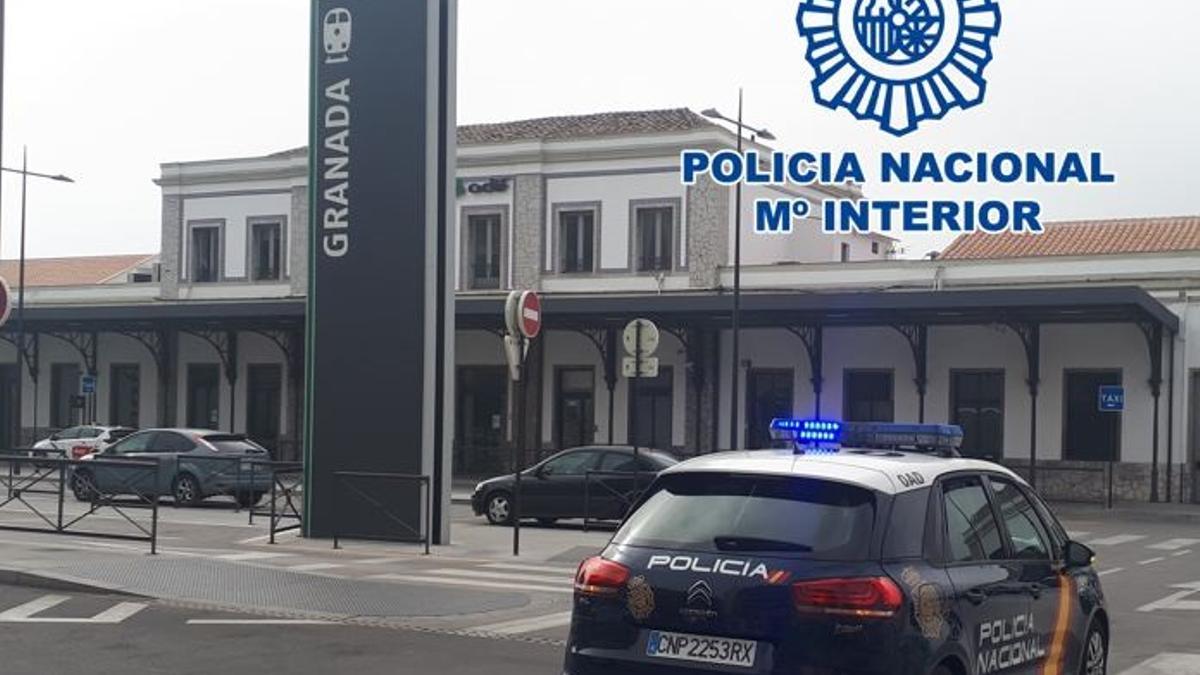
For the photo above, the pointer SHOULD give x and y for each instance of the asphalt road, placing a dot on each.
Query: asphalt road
(159, 639)
(1151, 573)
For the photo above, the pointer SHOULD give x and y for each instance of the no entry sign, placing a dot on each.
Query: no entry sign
(530, 319)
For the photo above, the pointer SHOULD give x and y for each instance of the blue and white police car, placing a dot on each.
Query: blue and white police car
(868, 548)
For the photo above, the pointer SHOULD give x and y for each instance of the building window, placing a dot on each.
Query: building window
(870, 396)
(483, 251)
(206, 254)
(874, 248)
(1090, 435)
(203, 396)
(977, 405)
(845, 252)
(575, 390)
(64, 395)
(576, 241)
(266, 251)
(651, 411)
(126, 396)
(769, 395)
(654, 238)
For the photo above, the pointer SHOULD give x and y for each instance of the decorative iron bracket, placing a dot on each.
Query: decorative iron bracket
(225, 344)
(290, 344)
(1030, 335)
(813, 337)
(30, 353)
(1153, 331)
(917, 336)
(85, 344)
(605, 342)
(157, 344)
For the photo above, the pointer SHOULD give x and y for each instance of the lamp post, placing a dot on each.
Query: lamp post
(742, 128)
(25, 174)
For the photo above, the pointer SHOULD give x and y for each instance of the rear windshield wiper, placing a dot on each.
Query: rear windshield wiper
(732, 543)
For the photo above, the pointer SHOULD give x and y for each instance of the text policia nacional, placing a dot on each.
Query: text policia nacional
(780, 169)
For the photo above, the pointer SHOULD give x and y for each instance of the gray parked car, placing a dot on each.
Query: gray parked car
(193, 464)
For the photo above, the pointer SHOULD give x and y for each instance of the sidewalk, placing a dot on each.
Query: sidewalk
(1139, 511)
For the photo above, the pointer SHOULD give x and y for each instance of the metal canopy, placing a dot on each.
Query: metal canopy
(1118, 304)
(1101, 304)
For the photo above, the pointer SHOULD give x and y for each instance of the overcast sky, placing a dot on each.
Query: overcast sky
(106, 91)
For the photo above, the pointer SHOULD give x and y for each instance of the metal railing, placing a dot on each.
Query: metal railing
(408, 534)
(284, 508)
(97, 483)
(625, 498)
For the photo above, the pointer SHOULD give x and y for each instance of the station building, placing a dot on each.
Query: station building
(1010, 336)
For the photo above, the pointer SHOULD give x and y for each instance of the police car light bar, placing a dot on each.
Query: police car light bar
(942, 438)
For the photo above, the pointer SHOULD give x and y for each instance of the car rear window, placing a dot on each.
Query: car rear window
(235, 445)
(723, 513)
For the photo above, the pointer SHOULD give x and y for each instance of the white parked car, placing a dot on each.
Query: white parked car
(76, 442)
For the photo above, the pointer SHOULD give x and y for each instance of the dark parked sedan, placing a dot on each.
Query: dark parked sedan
(598, 482)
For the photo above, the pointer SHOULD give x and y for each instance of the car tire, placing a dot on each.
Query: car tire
(186, 490)
(498, 508)
(83, 486)
(1094, 660)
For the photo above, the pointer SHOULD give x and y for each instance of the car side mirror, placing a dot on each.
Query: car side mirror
(1078, 555)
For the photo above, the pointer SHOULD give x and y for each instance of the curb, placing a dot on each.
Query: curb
(62, 582)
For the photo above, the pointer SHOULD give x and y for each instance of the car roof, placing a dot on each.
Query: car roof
(193, 432)
(878, 470)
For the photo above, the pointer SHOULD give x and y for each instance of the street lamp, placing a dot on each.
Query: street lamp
(742, 127)
(25, 174)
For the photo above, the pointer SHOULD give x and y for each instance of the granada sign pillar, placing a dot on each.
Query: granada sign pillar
(380, 306)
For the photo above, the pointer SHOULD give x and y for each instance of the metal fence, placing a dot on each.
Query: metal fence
(285, 505)
(356, 486)
(120, 487)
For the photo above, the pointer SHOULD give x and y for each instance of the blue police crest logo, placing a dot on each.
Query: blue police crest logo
(899, 62)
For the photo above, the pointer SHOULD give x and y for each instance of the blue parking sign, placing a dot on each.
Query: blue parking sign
(1112, 399)
(87, 384)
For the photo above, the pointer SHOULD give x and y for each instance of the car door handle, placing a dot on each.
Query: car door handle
(976, 596)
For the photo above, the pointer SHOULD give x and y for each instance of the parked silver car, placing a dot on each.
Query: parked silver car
(75, 442)
(193, 464)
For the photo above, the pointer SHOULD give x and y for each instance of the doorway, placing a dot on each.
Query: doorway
(575, 397)
(264, 403)
(482, 420)
(1090, 435)
(125, 396)
(651, 411)
(1194, 435)
(769, 394)
(10, 430)
(204, 396)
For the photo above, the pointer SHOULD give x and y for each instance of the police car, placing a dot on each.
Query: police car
(867, 548)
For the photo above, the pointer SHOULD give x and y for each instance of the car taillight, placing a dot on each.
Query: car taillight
(599, 577)
(873, 597)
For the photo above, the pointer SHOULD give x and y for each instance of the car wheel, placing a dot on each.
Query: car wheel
(83, 486)
(186, 491)
(1095, 652)
(499, 508)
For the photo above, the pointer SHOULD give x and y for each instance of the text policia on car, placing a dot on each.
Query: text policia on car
(780, 169)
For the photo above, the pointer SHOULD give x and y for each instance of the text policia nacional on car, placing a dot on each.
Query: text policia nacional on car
(776, 216)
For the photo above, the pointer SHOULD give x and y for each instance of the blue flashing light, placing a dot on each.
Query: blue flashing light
(937, 437)
(808, 431)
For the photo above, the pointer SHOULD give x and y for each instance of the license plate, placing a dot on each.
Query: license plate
(701, 649)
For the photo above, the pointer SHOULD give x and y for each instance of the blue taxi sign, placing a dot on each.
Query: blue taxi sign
(1112, 399)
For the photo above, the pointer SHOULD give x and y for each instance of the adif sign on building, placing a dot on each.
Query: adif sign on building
(380, 306)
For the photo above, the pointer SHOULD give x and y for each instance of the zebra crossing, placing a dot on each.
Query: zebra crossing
(33, 612)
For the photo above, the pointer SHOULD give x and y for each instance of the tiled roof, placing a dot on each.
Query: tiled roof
(584, 126)
(1082, 238)
(569, 127)
(85, 271)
